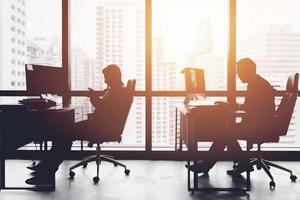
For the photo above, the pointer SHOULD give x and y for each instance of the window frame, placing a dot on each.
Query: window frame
(231, 93)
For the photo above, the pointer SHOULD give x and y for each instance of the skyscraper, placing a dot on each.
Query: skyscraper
(163, 108)
(120, 40)
(203, 57)
(13, 44)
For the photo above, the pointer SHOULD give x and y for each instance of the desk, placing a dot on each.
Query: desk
(202, 123)
(20, 126)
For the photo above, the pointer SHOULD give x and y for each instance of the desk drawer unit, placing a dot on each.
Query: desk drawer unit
(78, 114)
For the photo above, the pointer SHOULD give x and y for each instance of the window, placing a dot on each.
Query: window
(269, 33)
(185, 33)
(38, 40)
(189, 33)
(97, 41)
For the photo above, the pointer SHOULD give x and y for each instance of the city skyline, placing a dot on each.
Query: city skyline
(118, 40)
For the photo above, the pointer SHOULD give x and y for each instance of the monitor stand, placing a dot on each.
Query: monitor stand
(193, 96)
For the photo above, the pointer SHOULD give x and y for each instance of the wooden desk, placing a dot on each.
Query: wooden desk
(205, 122)
(20, 126)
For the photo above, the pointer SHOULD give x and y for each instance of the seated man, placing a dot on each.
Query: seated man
(45, 170)
(259, 108)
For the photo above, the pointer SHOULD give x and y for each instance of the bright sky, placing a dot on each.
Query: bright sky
(256, 16)
(174, 20)
(43, 18)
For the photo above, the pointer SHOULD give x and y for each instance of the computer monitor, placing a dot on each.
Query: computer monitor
(194, 83)
(194, 80)
(42, 79)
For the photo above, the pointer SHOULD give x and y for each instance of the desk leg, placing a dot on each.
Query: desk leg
(195, 175)
(192, 148)
(176, 136)
(2, 161)
(45, 145)
(189, 175)
(2, 174)
(248, 164)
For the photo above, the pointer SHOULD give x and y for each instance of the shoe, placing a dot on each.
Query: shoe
(240, 168)
(200, 167)
(35, 167)
(41, 167)
(234, 172)
(42, 180)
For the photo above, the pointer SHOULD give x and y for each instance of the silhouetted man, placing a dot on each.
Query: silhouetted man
(45, 170)
(259, 109)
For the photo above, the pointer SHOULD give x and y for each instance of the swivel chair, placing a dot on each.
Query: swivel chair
(278, 128)
(120, 117)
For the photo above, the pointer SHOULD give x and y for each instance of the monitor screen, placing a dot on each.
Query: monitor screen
(42, 79)
(194, 80)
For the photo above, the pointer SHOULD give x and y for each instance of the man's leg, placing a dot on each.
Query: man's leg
(240, 165)
(215, 149)
(218, 147)
(45, 172)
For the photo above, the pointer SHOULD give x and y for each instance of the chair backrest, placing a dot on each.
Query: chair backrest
(122, 110)
(285, 109)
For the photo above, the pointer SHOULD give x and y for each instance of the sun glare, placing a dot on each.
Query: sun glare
(183, 26)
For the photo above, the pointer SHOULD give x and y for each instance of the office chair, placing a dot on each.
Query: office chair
(119, 124)
(278, 128)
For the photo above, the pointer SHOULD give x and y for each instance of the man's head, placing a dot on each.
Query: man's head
(246, 69)
(112, 76)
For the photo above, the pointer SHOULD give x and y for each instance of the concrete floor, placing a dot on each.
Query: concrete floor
(149, 180)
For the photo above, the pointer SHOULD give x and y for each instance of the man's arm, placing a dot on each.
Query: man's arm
(96, 101)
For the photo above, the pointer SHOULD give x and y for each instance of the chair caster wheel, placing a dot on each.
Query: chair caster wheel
(258, 166)
(115, 164)
(96, 179)
(84, 165)
(234, 166)
(127, 171)
(293, 178)
(71, 174)
(272, 185)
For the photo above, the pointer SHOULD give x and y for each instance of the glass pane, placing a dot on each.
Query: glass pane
(30, 33)
(189, 33)
(269, 32)
(133, 137)
(103, 33)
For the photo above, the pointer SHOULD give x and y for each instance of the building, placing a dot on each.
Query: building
(45, 51)
(202, 56)
(163, 108)
(13, 44)
(115, 44)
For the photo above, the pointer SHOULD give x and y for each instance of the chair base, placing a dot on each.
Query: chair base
(98, 158)
(265, 165)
